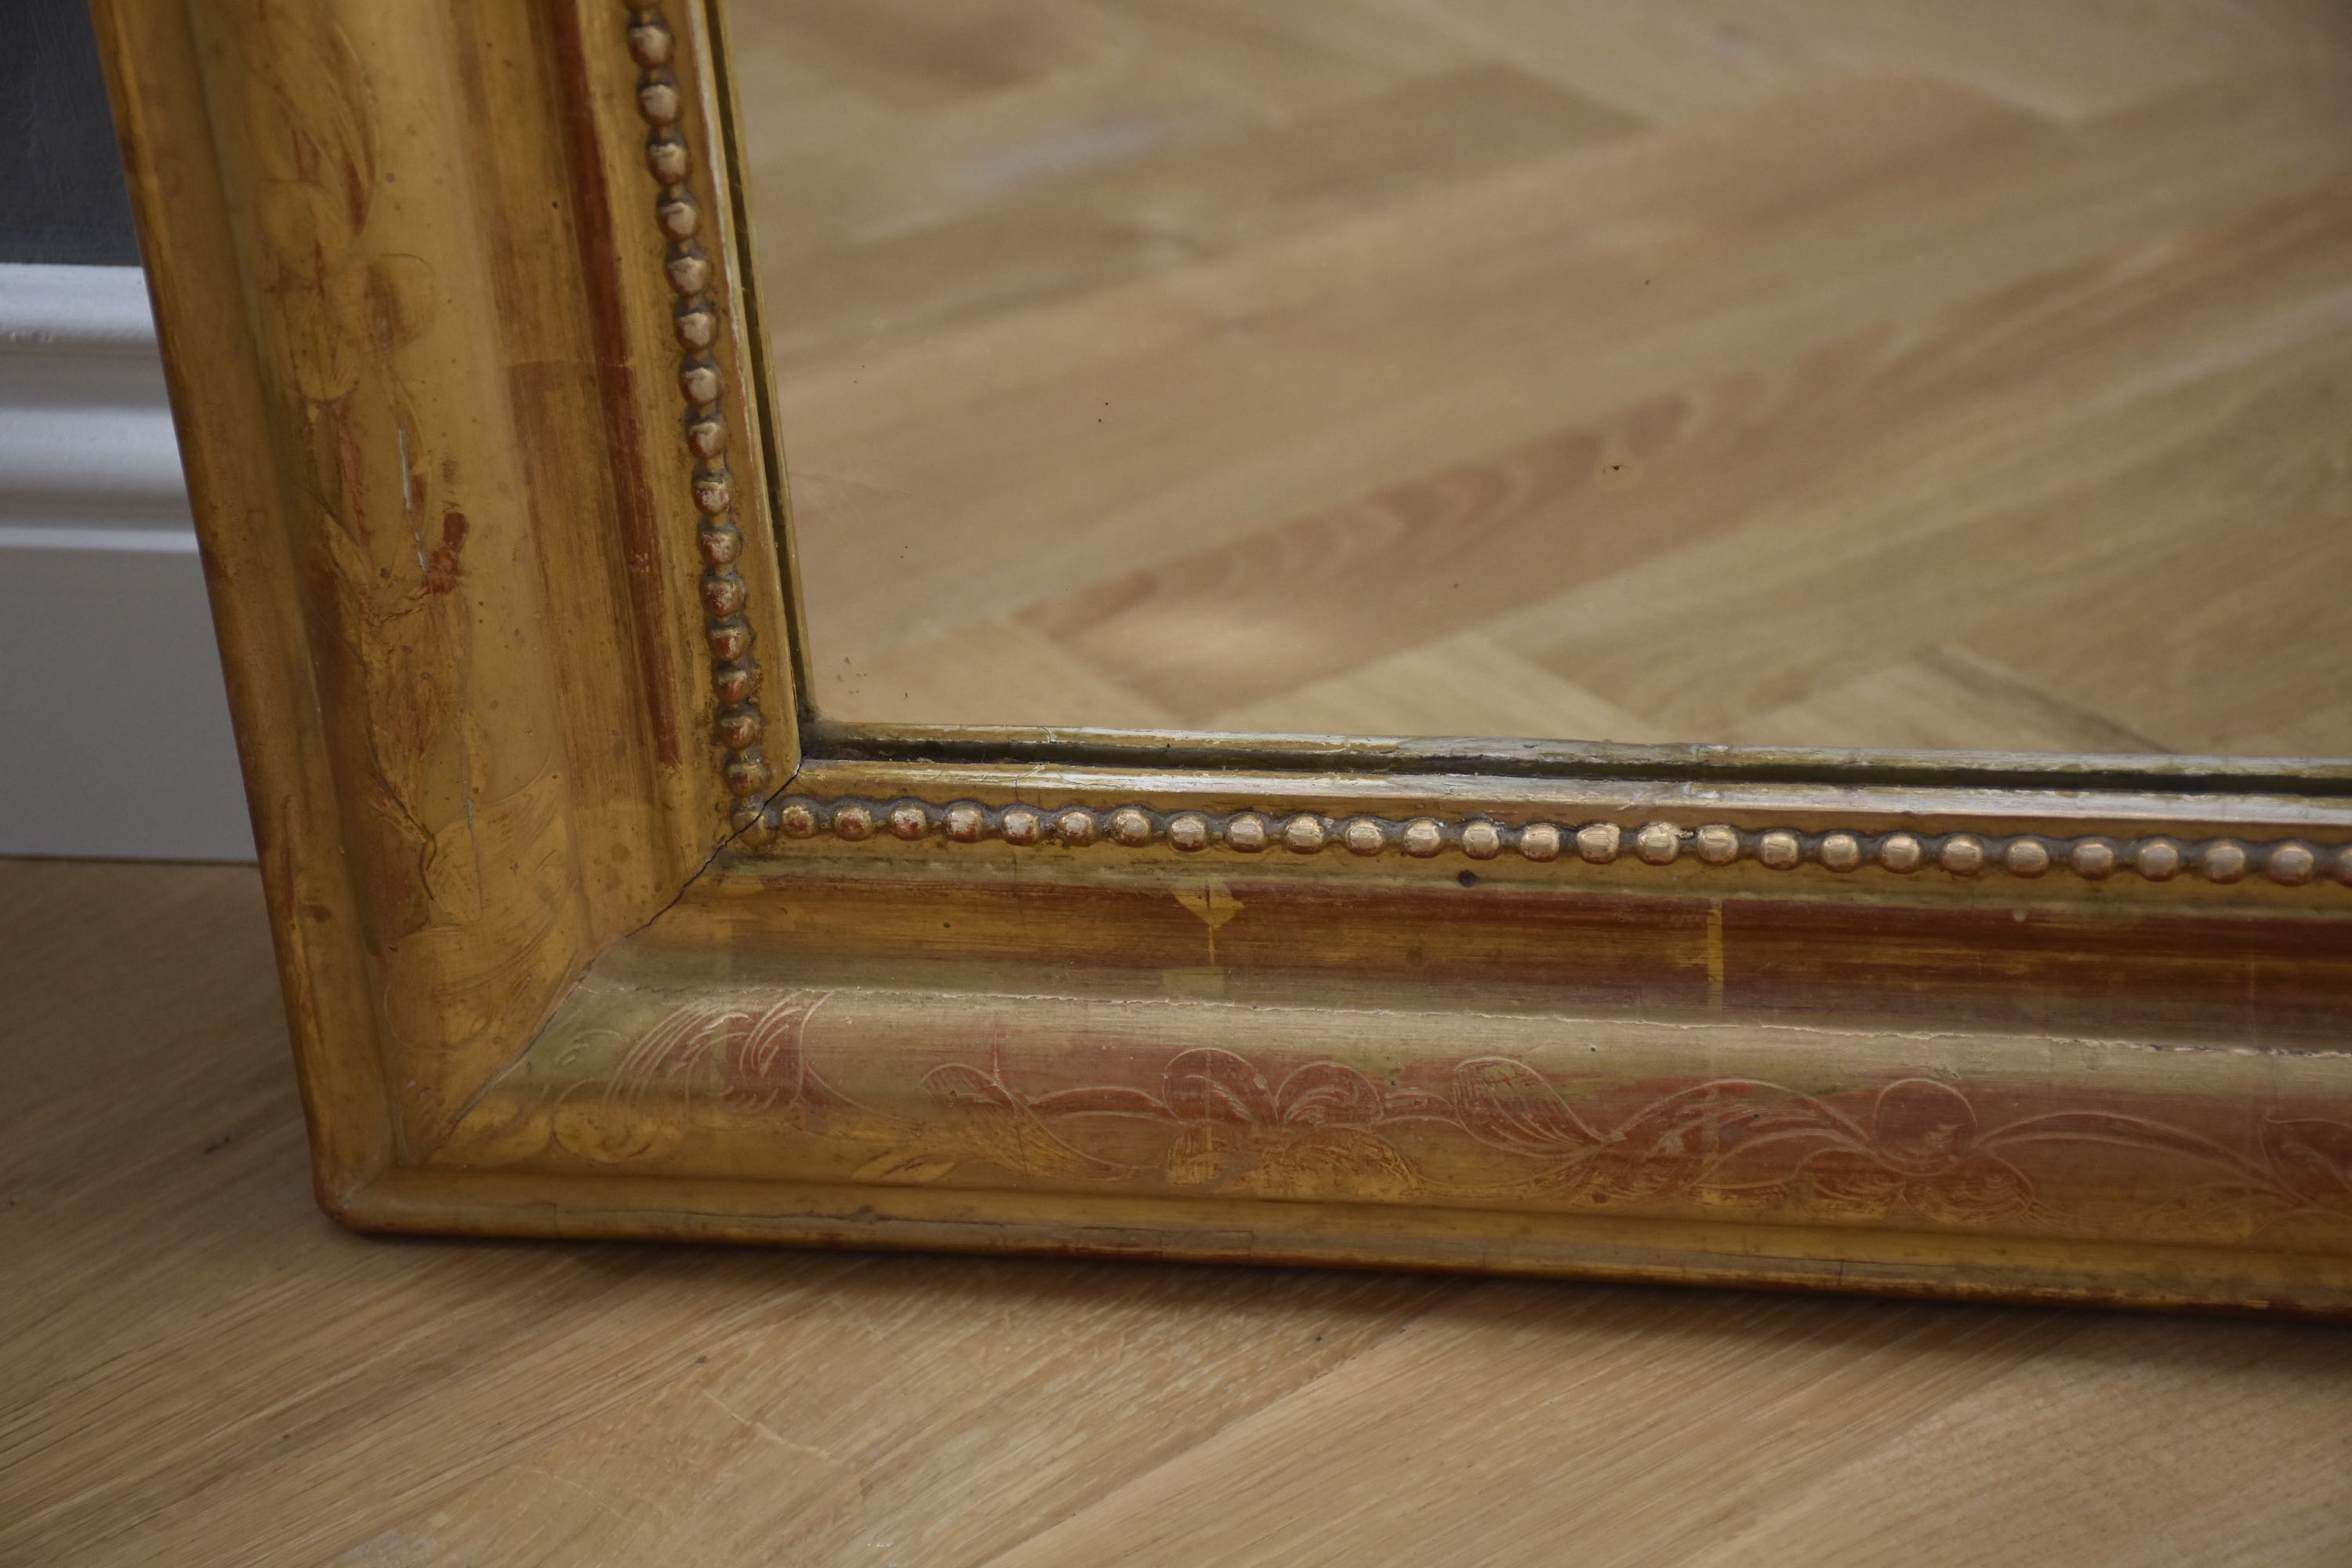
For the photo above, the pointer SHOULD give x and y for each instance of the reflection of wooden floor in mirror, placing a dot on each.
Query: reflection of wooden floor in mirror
(1775, 371)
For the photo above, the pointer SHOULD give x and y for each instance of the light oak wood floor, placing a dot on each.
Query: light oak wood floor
(1917, 373)
(196, 1368)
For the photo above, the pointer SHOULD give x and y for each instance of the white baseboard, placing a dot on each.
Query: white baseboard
(114, 729)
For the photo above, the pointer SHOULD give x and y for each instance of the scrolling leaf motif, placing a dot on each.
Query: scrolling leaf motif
(1315, 1135)
(984, 1117)
(1733, 1139)
(1915, 1149)
(2313, 1159)
(1910, 1150)
(722, 1064)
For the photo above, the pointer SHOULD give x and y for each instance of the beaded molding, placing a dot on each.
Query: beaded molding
(738, 725)
(2290, 862)
(736, 722)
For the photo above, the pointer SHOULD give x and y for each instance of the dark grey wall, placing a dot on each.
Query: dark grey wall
(61, 192)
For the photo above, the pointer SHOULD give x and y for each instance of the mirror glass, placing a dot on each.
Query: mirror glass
(1777, 371)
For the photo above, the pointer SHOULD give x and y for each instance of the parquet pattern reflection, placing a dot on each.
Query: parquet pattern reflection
(1767, 371)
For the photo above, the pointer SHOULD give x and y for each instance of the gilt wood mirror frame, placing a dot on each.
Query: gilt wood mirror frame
(589, 928)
